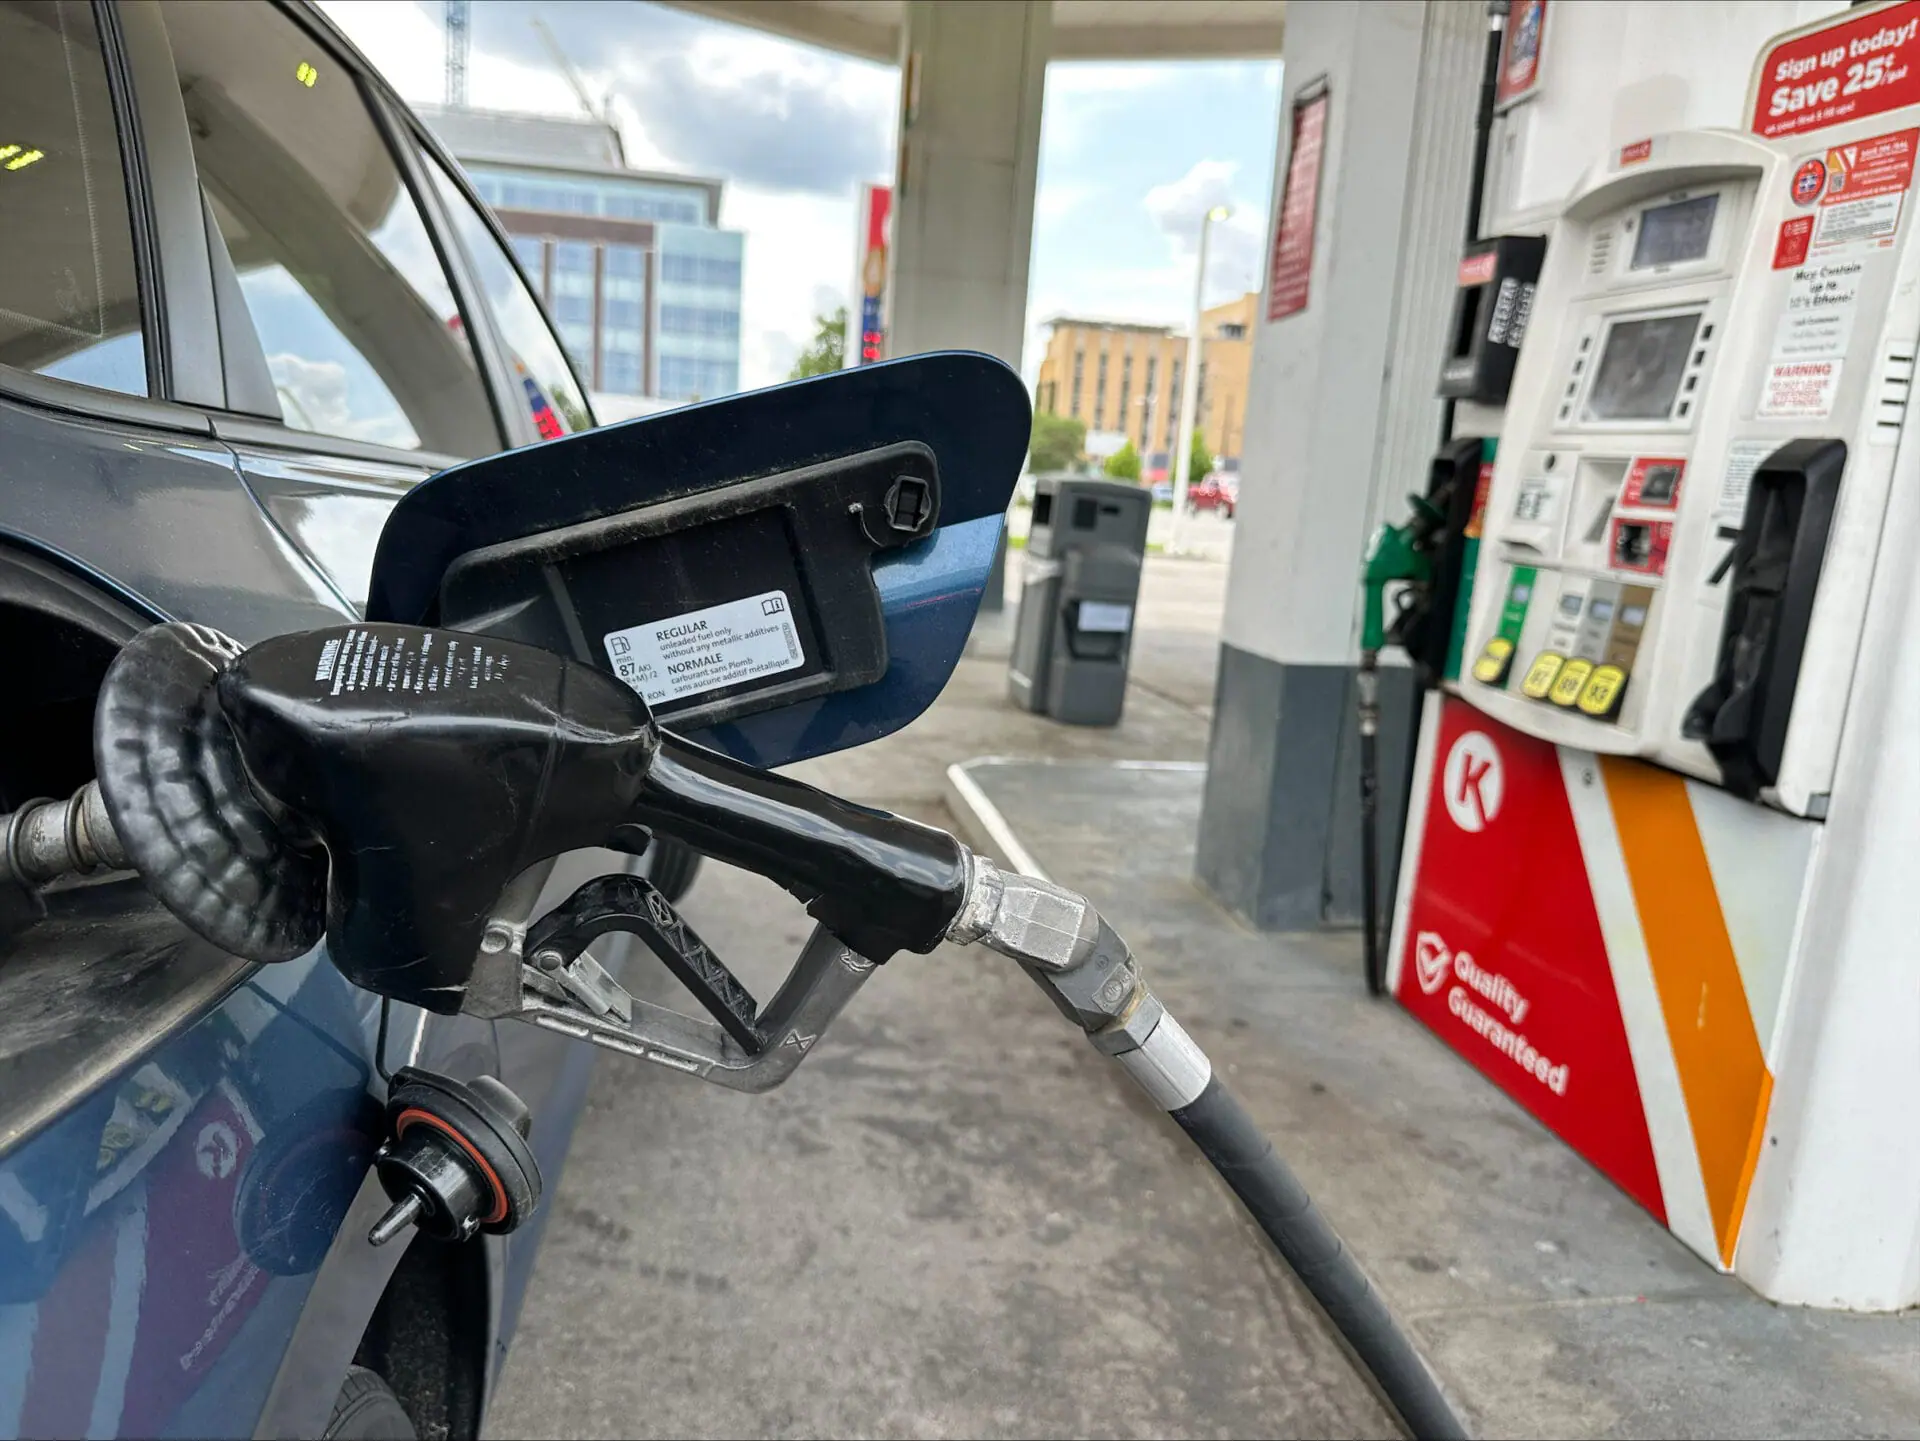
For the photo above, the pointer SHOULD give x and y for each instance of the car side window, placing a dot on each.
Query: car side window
(540, 367)
(355, 316)
(69, 300)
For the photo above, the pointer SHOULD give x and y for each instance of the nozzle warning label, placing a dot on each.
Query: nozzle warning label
(704, 650)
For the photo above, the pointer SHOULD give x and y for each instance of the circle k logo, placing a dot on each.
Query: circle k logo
(1474, 781)
(1808, 181)
(215, 1150)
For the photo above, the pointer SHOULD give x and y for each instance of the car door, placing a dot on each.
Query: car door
(179, 1131)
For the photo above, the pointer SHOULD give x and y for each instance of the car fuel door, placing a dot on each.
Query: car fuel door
(780, 574)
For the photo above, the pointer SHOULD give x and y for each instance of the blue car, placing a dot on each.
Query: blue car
(246, 304)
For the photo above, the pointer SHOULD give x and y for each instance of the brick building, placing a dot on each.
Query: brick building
(1121, 377)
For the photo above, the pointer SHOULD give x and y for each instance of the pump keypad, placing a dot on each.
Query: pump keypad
(1540, 675)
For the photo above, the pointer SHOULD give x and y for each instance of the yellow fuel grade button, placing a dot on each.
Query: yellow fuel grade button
(1600, 697)
(1494, 662)
(1570, 682)
(1539, 678)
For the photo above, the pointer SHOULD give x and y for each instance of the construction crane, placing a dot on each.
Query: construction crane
(601, 109)
(459, 42)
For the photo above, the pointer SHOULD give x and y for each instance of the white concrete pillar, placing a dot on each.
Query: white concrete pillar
(972, 79)
(1341, 421)
(972, 75)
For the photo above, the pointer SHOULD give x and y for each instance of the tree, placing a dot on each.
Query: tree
(1057, 442)
(827, 351)
(1202, 461)
(1124, 463)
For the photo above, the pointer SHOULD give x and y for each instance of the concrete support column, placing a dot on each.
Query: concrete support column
(972, 75)
(1341, 420)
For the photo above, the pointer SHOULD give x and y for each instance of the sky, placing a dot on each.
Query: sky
(1131, 153)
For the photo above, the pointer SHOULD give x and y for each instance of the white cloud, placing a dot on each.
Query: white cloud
(713, 98)
(799, 263)
(495, 82)
(1177, 206)
(1069, 78)
(1084, 97)
(408, 45)
(1233, 253)
(316, 396)
(1057, 199)
(405, 43)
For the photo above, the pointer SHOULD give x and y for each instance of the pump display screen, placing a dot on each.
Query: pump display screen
(1676, 233)
(1640, 368)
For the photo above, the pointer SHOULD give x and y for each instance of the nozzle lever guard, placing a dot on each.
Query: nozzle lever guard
(540, 973)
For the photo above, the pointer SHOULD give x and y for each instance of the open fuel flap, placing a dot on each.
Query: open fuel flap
(778, 574)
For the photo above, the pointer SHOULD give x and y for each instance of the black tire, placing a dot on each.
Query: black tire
(672, 865)
(367, 1410)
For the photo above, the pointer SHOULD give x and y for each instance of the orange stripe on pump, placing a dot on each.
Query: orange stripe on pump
(1723, 1072)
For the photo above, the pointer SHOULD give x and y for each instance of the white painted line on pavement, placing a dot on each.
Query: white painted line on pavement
(991, 821)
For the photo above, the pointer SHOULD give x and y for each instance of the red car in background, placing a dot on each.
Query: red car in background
(1214, 491)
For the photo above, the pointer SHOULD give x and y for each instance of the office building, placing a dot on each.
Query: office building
(1124, 378)
(642, 283)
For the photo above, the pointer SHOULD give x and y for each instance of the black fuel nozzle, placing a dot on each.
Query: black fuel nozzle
(377, 786)
(373, 785)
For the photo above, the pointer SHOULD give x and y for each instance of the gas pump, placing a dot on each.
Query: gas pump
(1648, 886)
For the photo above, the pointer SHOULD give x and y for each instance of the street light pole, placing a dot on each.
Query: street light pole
(1190, 382)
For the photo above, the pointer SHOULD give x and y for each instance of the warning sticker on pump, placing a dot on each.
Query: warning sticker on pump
(1743, 459)
(1866, 187)
(704, 650)
(1816, 321)
(1799, 388)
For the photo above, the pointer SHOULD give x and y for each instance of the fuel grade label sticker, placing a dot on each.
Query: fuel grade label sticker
(704, 650)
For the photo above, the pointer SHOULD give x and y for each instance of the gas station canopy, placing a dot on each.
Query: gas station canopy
(1082, 29)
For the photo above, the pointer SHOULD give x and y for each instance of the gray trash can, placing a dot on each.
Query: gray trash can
(1080, 585)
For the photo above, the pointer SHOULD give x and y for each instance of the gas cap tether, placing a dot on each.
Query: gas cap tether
(456, 1160)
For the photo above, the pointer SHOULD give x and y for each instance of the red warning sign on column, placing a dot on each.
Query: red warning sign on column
(1292, 265)
(1862, 66)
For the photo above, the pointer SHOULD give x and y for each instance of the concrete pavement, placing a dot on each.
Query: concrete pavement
(956, 1219)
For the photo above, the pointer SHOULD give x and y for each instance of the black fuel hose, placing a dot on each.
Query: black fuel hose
(1227, 1136)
